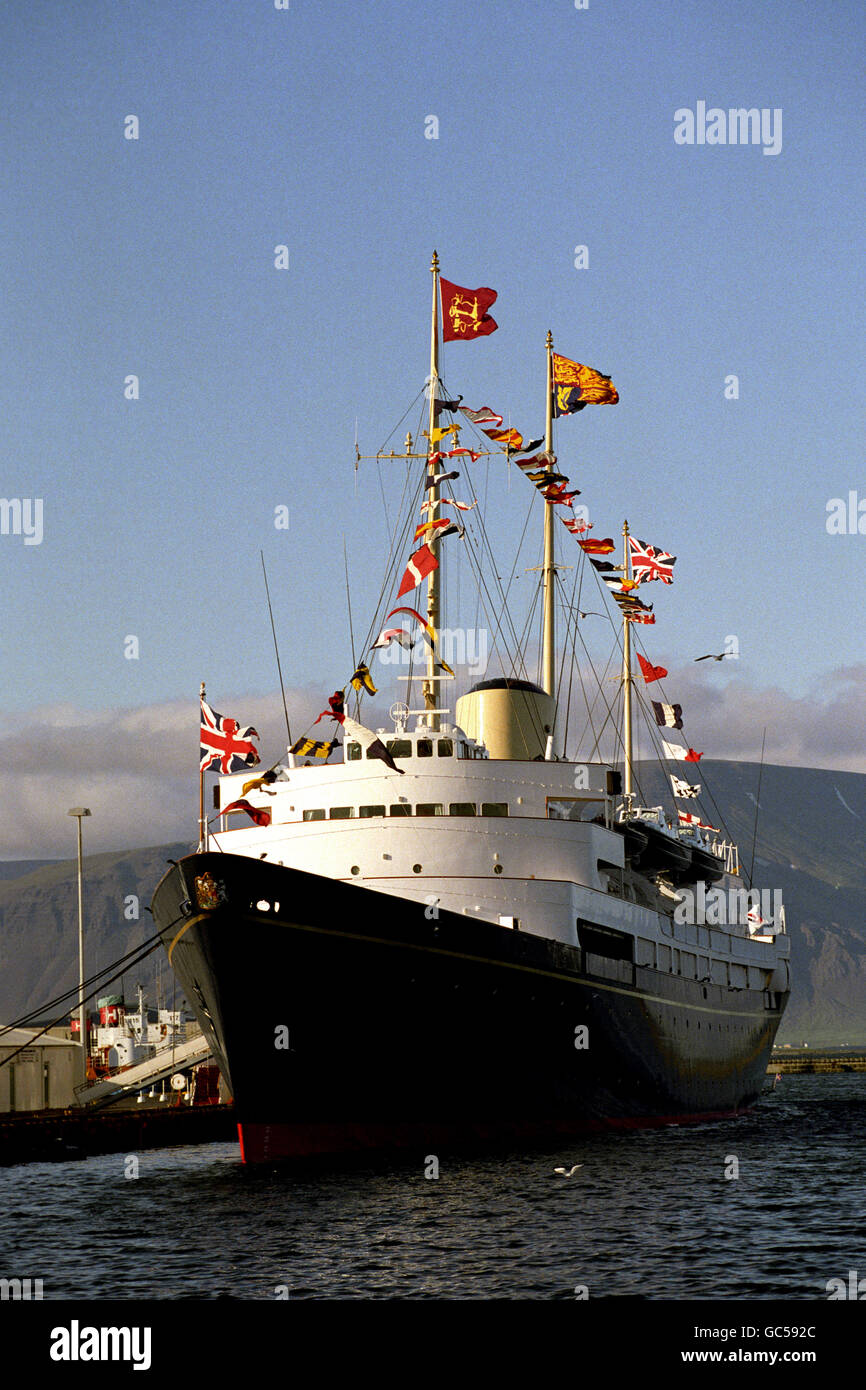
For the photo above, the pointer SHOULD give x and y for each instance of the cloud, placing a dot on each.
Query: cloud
(137, 769)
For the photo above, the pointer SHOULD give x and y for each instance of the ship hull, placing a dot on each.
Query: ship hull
(347, 1020)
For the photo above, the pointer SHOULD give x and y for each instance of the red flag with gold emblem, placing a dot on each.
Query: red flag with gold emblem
(464, 312)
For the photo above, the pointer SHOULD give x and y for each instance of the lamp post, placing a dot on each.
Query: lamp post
(79, 812)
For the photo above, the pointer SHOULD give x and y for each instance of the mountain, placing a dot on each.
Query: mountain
(811, 846)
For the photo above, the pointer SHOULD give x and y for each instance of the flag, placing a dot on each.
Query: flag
(576, 386)
(629, 604)
(262, 782)
(446, 477)
(671, 716)
(597, 547)
(464, 312)
(385, 638)
(684, 789)
(648, 563)
(368, 740)
(422, 563)
(680, 754)
(686, 819)
(510, 438)
(451, 529)
(436, 435)
(484, 416)
(537, 461)
(363, 680)
(650, 673)
(440, 406)
(575, 526)
(533, 444)
(335, 710)
(425, 526)
(223, 742)
(640, 617)
(555, 493)
(256, 813)
(413, 613)
(309, 748)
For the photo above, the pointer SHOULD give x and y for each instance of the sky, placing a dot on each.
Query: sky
(360, 138)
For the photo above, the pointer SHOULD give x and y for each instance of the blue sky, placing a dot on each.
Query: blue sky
(306, 127)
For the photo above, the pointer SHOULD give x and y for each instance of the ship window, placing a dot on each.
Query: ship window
(425, 748)
(401, 811)
(494, 808)
(445, 748)
(314, 815)
(365, 812)
(398, 748)
(353, 752)
(462, 808)
(341, 812)
(428, 808)
(463, 750)
(605, 941)
(571, 808)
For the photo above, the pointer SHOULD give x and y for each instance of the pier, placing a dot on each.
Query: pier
(818, 1059)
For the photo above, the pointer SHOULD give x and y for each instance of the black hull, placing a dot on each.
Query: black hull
(403, 1030)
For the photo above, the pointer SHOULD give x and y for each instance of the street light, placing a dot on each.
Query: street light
(80, 811)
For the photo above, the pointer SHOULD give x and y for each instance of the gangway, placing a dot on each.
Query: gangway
(166, 1061)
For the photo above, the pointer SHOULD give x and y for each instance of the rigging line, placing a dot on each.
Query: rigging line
(491, 607)
(757, 808)
(571, 618)
(351, 631)
(54, 1023)
(485, 545)
(380, 451)
(125, 961)
(276, 648)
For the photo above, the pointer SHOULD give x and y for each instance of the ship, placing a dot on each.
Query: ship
(455, 933)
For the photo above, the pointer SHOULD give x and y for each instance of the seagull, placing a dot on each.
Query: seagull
(568, 1172)
(710, 656)
(587, 615)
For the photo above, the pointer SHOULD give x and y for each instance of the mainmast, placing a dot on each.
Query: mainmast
(626, 674)
(434, 578)
(549, 634)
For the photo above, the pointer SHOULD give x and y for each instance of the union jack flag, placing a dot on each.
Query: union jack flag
(649, 563)
(224, 743)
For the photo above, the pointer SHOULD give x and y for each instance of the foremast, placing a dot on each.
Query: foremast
(434, 579)
(627, 678)
(548, 643)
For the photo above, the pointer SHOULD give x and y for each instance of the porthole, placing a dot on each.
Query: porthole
(355, 869)
(416, 868)
(497, 868)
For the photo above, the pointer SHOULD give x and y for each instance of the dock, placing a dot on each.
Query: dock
(818, 1059)
(57, 1136)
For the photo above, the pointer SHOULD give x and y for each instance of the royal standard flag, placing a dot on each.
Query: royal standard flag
(575, 386)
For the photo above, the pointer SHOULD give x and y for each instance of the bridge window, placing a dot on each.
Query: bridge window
(425, 748)
(446, 748)
(494, 808)
(428, 808)
(314, 815)
(341, 812)
(398, 748)
(401, 811)
(462, 808)
(365, 812)
(353, 752)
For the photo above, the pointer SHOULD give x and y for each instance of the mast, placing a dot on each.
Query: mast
(549, 635)
(433, 579)
(626, 674)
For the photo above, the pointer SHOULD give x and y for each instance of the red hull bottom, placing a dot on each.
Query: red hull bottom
(271, 1143)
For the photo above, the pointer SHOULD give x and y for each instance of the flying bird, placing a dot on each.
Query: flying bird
(568, 1172)
(710, 656)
